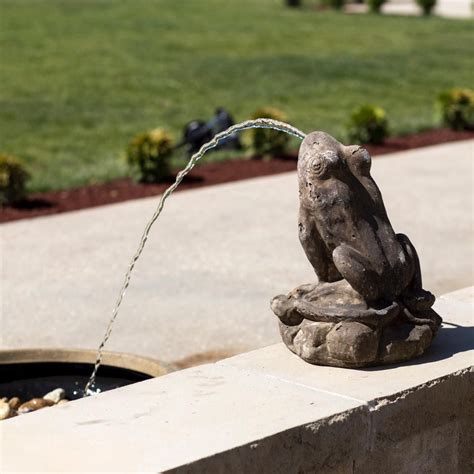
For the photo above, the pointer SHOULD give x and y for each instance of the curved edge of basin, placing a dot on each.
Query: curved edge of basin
(144, 365)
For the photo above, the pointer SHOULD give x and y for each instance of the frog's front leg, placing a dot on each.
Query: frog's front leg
(314, 247)
(358, 271)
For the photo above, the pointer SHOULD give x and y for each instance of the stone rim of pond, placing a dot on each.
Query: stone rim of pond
(30, 373)
(122, 360)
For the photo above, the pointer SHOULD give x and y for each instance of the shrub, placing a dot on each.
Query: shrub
(13, 177)
(149, 154)
(375, 5)
(456, 107)
(368, 124)
(426, 5)
(336, 4)
(265, 141)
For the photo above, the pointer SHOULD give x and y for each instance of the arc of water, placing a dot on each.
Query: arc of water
(258, 123)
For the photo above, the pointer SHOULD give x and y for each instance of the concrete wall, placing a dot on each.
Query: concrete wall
(266, 411)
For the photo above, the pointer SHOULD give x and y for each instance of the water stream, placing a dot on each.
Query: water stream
(258, 123)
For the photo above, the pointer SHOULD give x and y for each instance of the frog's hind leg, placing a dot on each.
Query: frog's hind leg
(414, 296)
(358, 271)
(417, 302)
(412, 257)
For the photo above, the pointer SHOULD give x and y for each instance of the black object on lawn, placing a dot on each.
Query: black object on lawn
(198, 132)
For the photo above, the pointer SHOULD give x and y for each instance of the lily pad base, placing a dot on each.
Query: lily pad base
(331, 324)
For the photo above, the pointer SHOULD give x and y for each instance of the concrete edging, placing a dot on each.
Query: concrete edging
(267, 411)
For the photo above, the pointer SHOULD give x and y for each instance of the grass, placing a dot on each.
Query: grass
(80, 78)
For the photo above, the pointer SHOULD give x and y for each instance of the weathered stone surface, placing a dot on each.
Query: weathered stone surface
(404, 342)
(268, 411)
(353, 343)
(369, 284)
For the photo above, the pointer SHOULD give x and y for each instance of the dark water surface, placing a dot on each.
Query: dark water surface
(31, 380)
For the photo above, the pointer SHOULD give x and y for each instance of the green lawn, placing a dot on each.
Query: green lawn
(79, 78)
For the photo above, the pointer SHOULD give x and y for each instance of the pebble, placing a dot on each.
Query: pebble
(13, 406)
(14, 403)
(55, 395)
(4, 410)
(34, 404)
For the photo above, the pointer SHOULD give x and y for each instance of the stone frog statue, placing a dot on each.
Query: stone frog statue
(367, 274)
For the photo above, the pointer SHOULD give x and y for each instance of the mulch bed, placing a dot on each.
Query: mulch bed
(206, 174)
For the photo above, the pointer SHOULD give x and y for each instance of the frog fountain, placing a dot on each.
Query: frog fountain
(368, 306)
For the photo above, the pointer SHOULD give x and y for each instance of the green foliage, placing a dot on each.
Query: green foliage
(375, 5)
(149, 154)
(104, 70)
(336, 4)
(265, 141)
(368, 124)
(456, 107)
(426, 5)
(13, 177)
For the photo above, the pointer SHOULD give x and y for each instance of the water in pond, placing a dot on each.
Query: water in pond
(32, 380)
(258, 123)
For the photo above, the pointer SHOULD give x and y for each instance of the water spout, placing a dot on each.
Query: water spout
(258, 123)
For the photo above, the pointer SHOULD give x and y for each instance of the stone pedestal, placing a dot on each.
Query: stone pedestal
(331, 324)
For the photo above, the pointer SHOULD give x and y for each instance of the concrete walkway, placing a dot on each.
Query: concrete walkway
(214, 261)
(445, 8)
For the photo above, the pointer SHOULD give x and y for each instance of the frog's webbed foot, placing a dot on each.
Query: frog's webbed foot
(418, 300)
(417, 309)
(420, 317)
(358, 271)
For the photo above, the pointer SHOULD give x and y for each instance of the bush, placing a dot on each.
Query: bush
(426, 5)
(456, 107)
(336, 4)
(375, 5)
(265, 141)
(13, 177)
(368, 124)
(149, 154)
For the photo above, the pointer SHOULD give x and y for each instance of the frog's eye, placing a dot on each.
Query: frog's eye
(361, 160)
(318, 166)
(364, 160)
(322, 164)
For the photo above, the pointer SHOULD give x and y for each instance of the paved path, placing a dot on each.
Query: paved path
(214, 261)
(446, 8)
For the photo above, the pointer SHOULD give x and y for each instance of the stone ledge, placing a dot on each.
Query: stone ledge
(267, 411)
